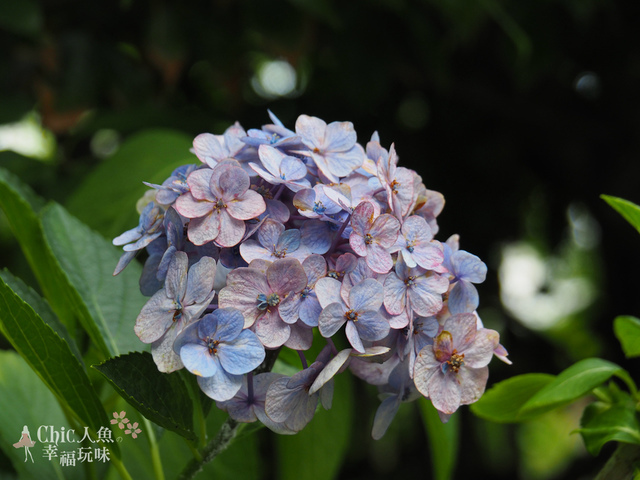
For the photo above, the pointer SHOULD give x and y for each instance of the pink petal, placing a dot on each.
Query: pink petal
(479, 354)
(199, 182)
(463, 328)
(204, 229)
(473, 381)
(445, 392)
(247, 206)
(188, 206)
(231, 230)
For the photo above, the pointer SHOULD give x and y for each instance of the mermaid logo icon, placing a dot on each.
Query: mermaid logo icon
(26, 442)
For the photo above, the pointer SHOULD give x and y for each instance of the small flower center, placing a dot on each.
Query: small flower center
(368, 239)
(274, 138)
(319, 208)
(212, 345)
(273, 300)
(305, 293)
(279, 253)
(394, 186)
(456, 361)
(335, 274)
(262, 190)
(219, 205)
(177, 315)
(410, 281)
(351, 315)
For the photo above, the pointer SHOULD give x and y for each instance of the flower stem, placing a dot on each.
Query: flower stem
(220, 442)
(122, 470)
(338, 235)
(155, 451)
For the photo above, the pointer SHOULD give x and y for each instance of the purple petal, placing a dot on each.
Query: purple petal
(395, 294)
(310, 310)
(328, 291)
(371, 326)
(366, 295)
(463, 297)
(155, 318)
(331, 319)
(378, 258)
(385, 230)
(468, 267)
(330, 370)
(269, 233)
(271, 330)
(300, 338)
(354, 337)
(200, 280)
(229, 182)
(162, 351)
(286, 275)
(384, 416)
(176, 281)
(208, 149)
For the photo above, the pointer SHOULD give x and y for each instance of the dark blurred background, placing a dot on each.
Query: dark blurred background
(520, 112)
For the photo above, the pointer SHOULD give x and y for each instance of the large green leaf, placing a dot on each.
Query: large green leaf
(50, 357)
(573, 383)
(502, 402)
(88, 259)
(602, 423)
(318, 450)
(41, 307)
(107, 198)
(627, 330)
(162, 398)
(443, 440)
(27, 401)
(629, 210)
(20, 206)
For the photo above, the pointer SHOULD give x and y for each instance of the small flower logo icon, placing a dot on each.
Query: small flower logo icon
(133, 430)
(120, 420)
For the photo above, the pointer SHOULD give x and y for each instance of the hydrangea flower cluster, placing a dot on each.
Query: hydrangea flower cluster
(290, 238)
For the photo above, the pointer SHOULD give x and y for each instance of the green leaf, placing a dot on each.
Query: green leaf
(503, 402)
(627, 330)
(318, 450)
(107, 305)
(27, 401)
(603, 423)
(573, 383)
(106, 199)
(161, 397)
(443, 440)
(20, 206)
(41, 307)
(629, 210)
(50, 357)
